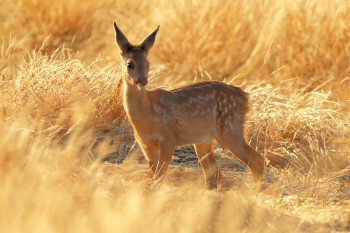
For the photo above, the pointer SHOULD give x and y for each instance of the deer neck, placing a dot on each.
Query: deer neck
(135, 101)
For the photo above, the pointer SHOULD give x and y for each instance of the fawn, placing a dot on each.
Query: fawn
(195, 114)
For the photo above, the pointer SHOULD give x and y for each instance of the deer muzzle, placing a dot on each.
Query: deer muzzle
(141, 81)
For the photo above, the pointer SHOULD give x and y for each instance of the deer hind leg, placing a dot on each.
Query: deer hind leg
(158, 158)
(235, 142)
(207, 160)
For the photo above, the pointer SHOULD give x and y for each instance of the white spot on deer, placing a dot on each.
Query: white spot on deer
(195, 113)
(213, 110)
(193, 100)
(157, 108)
(230, 124)
(220, 105)
(227, 122)
(165, 118)
(164, 102)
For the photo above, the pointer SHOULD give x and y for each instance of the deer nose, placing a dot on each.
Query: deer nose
(142, 81)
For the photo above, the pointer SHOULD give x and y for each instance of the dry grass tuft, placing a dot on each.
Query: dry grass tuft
(300, 126)
(48, 86)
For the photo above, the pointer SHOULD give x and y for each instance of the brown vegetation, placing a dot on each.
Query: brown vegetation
(61, 114)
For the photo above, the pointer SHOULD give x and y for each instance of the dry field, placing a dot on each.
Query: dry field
(65, 158)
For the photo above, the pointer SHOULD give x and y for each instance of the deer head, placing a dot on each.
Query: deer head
(135, 57)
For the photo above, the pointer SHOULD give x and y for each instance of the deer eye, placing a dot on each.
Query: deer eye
(130, 65)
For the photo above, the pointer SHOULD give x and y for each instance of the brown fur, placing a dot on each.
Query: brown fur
(195, 114)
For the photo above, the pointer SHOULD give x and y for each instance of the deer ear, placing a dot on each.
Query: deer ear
(122, 42)
(148, 42)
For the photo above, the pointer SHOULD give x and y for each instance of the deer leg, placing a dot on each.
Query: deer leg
(159, 158)
(207, 160)
(166, 154)
(238, 146)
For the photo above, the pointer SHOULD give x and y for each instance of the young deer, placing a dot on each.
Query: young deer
(196, 114)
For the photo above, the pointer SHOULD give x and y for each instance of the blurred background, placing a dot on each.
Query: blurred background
(305, 42)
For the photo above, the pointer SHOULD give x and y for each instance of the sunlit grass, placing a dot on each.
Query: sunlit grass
(61, 113)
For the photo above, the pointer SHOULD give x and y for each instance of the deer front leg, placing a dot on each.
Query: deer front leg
(158, 158)
(207, 160)
(166, 154)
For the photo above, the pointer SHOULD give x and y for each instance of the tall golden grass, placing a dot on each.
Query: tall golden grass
(61, 113)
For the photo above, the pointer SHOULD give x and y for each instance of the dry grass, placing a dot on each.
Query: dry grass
(61, 114)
